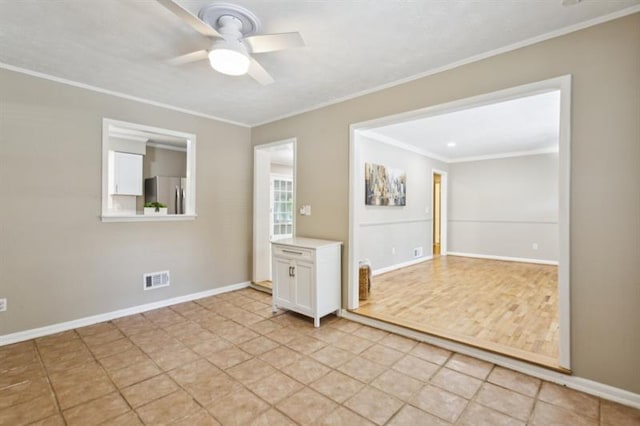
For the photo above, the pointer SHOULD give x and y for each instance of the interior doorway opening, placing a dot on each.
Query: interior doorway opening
(507, 218)
(274, 187)
(437, 187)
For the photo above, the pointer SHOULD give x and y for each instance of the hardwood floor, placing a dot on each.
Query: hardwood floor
(505, 307)
(266, 286)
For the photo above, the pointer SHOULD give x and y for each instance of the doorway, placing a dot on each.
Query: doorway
(273, 204)
(475, 213)
(437, 188)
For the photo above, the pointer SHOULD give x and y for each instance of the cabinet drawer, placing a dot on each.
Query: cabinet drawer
(292, 252)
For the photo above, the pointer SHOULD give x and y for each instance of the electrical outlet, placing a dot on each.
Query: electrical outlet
(3, 305)
(393, 250)
(417, 252)
(534, 246)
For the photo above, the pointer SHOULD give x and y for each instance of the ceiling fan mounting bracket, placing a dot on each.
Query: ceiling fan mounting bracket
(212, 13)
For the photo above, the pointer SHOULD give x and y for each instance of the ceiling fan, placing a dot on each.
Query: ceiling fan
(232, 27)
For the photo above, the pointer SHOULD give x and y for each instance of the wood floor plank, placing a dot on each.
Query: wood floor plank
(506, 307)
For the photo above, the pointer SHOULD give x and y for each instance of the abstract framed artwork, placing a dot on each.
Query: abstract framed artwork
(384, 186)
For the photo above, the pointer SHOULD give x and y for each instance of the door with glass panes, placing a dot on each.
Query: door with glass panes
(281, 207)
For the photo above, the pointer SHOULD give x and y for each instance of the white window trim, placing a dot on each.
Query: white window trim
(190, 208)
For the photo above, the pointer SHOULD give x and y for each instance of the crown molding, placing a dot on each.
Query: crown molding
(475, 58)
(506, 155)
(402, 145)
(412, 148)
(97, 89)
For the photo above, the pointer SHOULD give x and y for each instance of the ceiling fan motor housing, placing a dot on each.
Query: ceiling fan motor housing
(226, 15)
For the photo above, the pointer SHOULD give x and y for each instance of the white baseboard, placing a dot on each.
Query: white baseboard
(578, 383)
(506, 258)
(21, 336)
(401, 265)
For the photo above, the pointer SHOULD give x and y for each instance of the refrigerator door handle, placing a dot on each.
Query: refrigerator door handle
(176, 201)
(182, 201)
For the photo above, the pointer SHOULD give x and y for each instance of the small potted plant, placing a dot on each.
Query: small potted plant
(155, 208)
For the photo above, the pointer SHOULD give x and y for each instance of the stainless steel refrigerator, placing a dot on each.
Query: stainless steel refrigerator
(170, 191)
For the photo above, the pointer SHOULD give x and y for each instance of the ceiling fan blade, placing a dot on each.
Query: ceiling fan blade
(259, 74)
(189, 57)
(272, 42)
(189, 18)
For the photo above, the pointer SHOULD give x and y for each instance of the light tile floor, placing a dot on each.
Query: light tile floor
(228, 360)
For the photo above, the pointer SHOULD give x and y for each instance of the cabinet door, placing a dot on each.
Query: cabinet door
(282, 281)
(304, 283)
(127, 170)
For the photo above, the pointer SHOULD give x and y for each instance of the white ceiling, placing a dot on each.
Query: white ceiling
(352, 46)
(524, 125)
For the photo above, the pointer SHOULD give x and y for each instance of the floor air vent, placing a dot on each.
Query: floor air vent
(155, 280)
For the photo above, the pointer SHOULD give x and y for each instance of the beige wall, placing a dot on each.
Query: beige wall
(387, 235)
(58, 261)
(605, 226)
(502, 206)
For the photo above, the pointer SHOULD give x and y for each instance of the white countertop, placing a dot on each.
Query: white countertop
(310, 243)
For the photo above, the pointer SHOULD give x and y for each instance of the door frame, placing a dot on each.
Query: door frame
(443, 210)
(561, 84)
(256, 149)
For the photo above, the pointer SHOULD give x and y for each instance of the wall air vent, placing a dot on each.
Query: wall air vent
(155, 280)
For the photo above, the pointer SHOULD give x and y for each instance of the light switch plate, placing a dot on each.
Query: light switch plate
(305, 210)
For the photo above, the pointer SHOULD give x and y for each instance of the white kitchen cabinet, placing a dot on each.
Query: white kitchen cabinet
(127, 174)
(307, 276)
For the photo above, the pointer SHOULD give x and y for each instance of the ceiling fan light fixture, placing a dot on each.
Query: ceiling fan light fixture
(229, 58)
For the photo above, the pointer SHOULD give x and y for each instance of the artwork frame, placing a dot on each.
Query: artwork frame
(384, 186)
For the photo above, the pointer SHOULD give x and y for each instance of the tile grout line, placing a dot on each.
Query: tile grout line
(535, 402)
(104, 370)
(163, 371)
(290, 324)
(114, 383)
(223, 371)
(387, 368)
(477, 392)
(47, 378)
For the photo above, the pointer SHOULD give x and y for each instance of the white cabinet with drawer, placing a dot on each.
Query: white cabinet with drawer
(307, 276)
